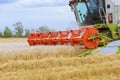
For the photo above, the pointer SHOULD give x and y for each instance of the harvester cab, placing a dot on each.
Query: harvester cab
(91, 12)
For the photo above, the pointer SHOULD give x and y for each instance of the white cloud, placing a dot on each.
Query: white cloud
(34, 3)
(40, 3)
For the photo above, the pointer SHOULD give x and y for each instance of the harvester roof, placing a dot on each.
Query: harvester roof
(75, 1)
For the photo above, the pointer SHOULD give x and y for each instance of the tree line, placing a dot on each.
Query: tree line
(20, 32)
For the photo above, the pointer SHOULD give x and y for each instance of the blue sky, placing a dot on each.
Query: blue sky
(55, 14)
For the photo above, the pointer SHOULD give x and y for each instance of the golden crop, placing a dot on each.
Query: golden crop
(18, 61)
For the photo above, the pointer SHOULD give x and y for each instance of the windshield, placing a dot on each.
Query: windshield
(88, 13)
(82, 12)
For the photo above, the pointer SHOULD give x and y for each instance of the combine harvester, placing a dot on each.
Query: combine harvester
(98, 20)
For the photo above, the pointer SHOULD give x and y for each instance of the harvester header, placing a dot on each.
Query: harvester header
(70, 37)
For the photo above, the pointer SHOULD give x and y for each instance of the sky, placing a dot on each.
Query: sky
(56, 14)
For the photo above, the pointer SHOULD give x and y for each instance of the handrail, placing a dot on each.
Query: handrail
(101, 14)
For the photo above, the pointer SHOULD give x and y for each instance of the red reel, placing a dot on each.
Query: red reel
(91, 43)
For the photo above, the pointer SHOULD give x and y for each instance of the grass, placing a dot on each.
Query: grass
(56, 63)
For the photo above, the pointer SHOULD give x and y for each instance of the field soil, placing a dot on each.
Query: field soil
(19, 61)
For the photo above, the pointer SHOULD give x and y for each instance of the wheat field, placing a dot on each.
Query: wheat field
(19, 61)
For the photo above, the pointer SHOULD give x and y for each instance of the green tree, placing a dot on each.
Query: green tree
(44, 29)
(27, 33)
(18, 29)
(1, 34)
(7, 32)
